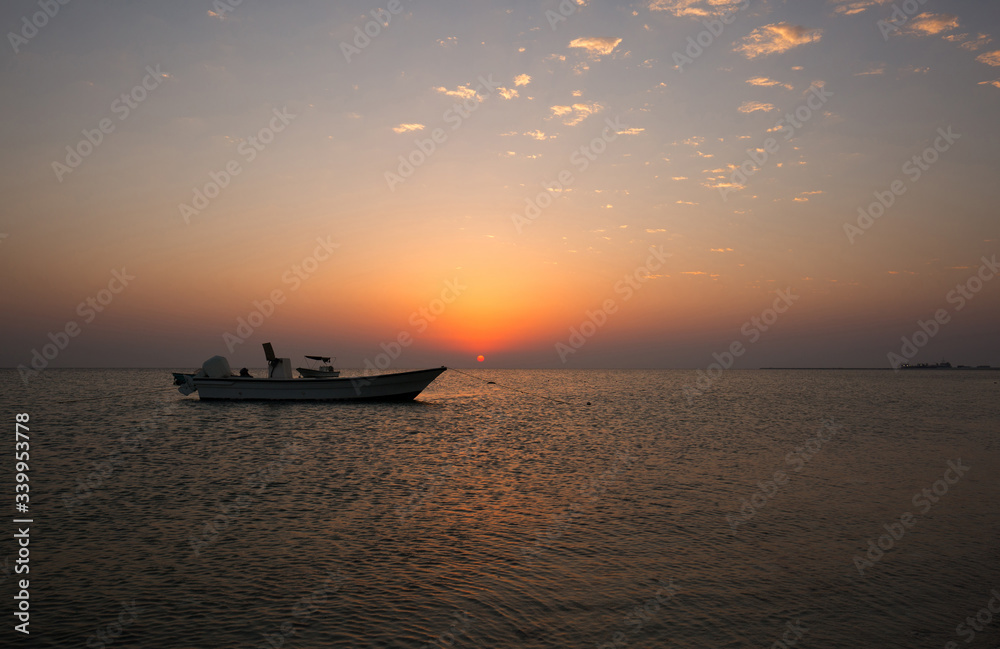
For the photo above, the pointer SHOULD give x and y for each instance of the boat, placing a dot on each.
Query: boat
(324, 371)
(216, 381)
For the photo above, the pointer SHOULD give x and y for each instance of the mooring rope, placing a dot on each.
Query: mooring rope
(509, 387)
(116, 396)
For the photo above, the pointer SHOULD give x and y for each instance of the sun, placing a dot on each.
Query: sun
(480, 358)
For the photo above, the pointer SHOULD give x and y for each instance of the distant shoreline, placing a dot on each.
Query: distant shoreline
(902, 369)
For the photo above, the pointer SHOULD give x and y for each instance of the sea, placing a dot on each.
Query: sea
(591, 509)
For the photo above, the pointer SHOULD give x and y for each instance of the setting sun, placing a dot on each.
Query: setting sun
(480, 358)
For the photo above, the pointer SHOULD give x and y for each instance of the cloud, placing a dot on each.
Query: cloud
(507, 93)
(929, 24)
(872, 69)
(979, 42)
(696, 8)
(596, 45)
(720, 249)
(764, 81)
(630, 131)
(447, 41)
(522, 80)
(576, 113)
(990, 58)
(775, 39)
(851, 7)
(462, 92)
(538, 135)
(994, 83)
(403, 128)
(752, 106)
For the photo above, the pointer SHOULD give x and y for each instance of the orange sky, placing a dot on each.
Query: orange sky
(627, 151)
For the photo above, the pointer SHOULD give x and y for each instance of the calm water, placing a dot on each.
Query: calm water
(481, 517)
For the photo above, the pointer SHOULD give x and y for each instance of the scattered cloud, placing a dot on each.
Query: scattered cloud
(752, 106)
(764, 81)
(720, 249)
(538, 135)
(851, 7)
(507, 93)
(990, 58)
(403, 128)
(596, 45)
(448, 41)
(875, 68)
(696, 8)
(995, 83)
(978, 43)
(576, 113)
(630, 131)
(522, 80)
(929, 24)
(462, 92)
(775, 39)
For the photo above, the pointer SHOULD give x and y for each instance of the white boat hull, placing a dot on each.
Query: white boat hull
(402, 386)
(308, 373)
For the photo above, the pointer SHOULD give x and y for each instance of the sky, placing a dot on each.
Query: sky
(578, 184)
